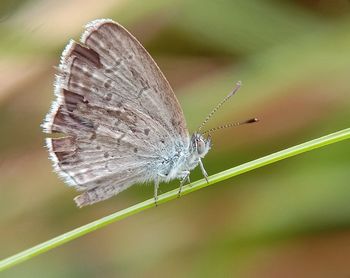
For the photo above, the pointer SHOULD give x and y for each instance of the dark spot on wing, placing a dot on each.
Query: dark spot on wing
(108, 97)
(108, 84)
(134, 73)
(147, 130)
(86, 55)
(63, 144)
(64, 119)
(98, 181)
(108, 71)
(65, 158)
(72, 100)
(93, 136)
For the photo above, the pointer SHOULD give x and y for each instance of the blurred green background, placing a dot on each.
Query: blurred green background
(290, 219)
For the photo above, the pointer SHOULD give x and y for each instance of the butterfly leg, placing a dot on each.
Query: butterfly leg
(156, 186)
(203, 170)
(186, 177)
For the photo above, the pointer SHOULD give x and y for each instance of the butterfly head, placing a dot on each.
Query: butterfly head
(200, 144)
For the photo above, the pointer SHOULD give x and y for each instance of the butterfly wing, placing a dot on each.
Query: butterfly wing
(116, 110)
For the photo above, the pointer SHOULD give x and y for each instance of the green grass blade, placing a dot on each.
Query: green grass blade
(61, 239)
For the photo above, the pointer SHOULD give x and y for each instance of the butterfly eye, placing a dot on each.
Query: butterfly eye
(200, 146)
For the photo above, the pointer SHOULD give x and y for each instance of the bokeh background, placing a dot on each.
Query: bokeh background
(289, 219)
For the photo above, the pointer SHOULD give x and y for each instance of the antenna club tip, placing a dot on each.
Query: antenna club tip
(239, 83)
(253, 120)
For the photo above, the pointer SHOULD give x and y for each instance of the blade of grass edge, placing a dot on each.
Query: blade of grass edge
(104, 221)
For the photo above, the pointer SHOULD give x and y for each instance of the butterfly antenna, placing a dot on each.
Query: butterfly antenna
(250, 121)
(238, 85)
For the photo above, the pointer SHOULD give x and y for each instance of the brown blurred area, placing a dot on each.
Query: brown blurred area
(290, 219)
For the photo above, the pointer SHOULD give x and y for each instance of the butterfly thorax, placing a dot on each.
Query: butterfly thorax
(186, 158)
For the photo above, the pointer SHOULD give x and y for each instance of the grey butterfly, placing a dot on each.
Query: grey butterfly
(118, 120)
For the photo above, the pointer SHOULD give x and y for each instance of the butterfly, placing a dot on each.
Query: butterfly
(117, 120)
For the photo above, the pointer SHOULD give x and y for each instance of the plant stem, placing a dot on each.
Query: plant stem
(78, 232)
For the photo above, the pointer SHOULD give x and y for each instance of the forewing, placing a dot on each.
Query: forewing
(116, 110)
(136, 76)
